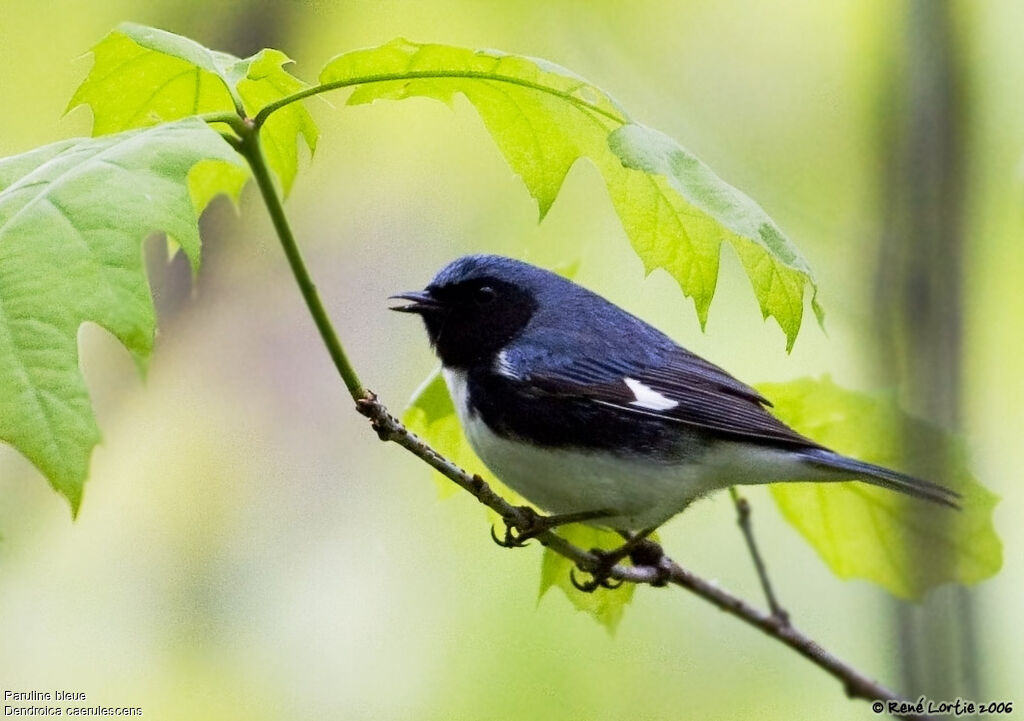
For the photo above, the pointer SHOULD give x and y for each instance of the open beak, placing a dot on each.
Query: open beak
(422, 302)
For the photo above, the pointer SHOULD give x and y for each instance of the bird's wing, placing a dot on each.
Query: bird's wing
(675, 386)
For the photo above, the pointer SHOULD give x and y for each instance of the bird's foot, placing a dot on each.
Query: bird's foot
(519, 531)
(640, 550)
(600, 573)
(531, 524)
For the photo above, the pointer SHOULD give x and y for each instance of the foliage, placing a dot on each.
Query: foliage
(905, 545)
(143, 76)
(674, 209)
(72, 218)
(606, 605)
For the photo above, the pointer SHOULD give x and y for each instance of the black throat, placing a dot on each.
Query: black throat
(465, 331)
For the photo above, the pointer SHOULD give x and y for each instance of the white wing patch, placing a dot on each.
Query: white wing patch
(648, 397)
(504, 368)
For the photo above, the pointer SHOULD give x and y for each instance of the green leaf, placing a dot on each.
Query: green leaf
(266, 81)
(905, 545)
(431, 416)
(533, 128)
(72, 218)
(210, 178)
(676, 178)
(543, 118)
(142, 76)
(604, 604)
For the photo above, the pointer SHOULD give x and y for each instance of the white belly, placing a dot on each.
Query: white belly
(641, 493)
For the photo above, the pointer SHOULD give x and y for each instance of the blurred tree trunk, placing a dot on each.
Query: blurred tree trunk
(919, 303)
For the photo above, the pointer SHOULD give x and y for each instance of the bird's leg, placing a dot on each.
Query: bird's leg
(532, 524)
(640, 550)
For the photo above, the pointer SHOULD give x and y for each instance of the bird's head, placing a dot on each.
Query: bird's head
(475, 305)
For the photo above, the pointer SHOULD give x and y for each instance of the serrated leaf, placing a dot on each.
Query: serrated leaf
(142, 76)
(72, 218)
(210, 178)
(604, 604)
(266, 81)
(678, 179)
(133, 84)
(543, 118)
(905, 545)
(519, 117)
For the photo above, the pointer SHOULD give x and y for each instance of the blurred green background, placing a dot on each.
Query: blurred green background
(247, 549)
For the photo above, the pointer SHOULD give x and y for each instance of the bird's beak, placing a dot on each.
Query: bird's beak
(422, 302)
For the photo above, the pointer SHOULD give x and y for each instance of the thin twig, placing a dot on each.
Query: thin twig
(743, 519)
(855, 683)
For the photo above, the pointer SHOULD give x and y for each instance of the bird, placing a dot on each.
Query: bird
(594, 415)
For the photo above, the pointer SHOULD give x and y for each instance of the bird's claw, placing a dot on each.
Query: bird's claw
(600, 573)
(518, 533)
(510, 539)
(597, 580)
(527, 524)
(640, 551)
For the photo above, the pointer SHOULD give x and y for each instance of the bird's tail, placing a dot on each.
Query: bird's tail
(884, 477)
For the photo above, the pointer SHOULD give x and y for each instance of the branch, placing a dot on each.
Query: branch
(776, 625)
(743, 519)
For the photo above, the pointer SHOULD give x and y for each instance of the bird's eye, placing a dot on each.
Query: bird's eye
(484, 295)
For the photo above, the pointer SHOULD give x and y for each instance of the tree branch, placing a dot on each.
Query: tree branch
(743, 520)
(775, 624)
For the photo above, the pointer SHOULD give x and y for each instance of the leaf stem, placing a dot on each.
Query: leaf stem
(267, 110)
(235, 121)
(249, 147)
